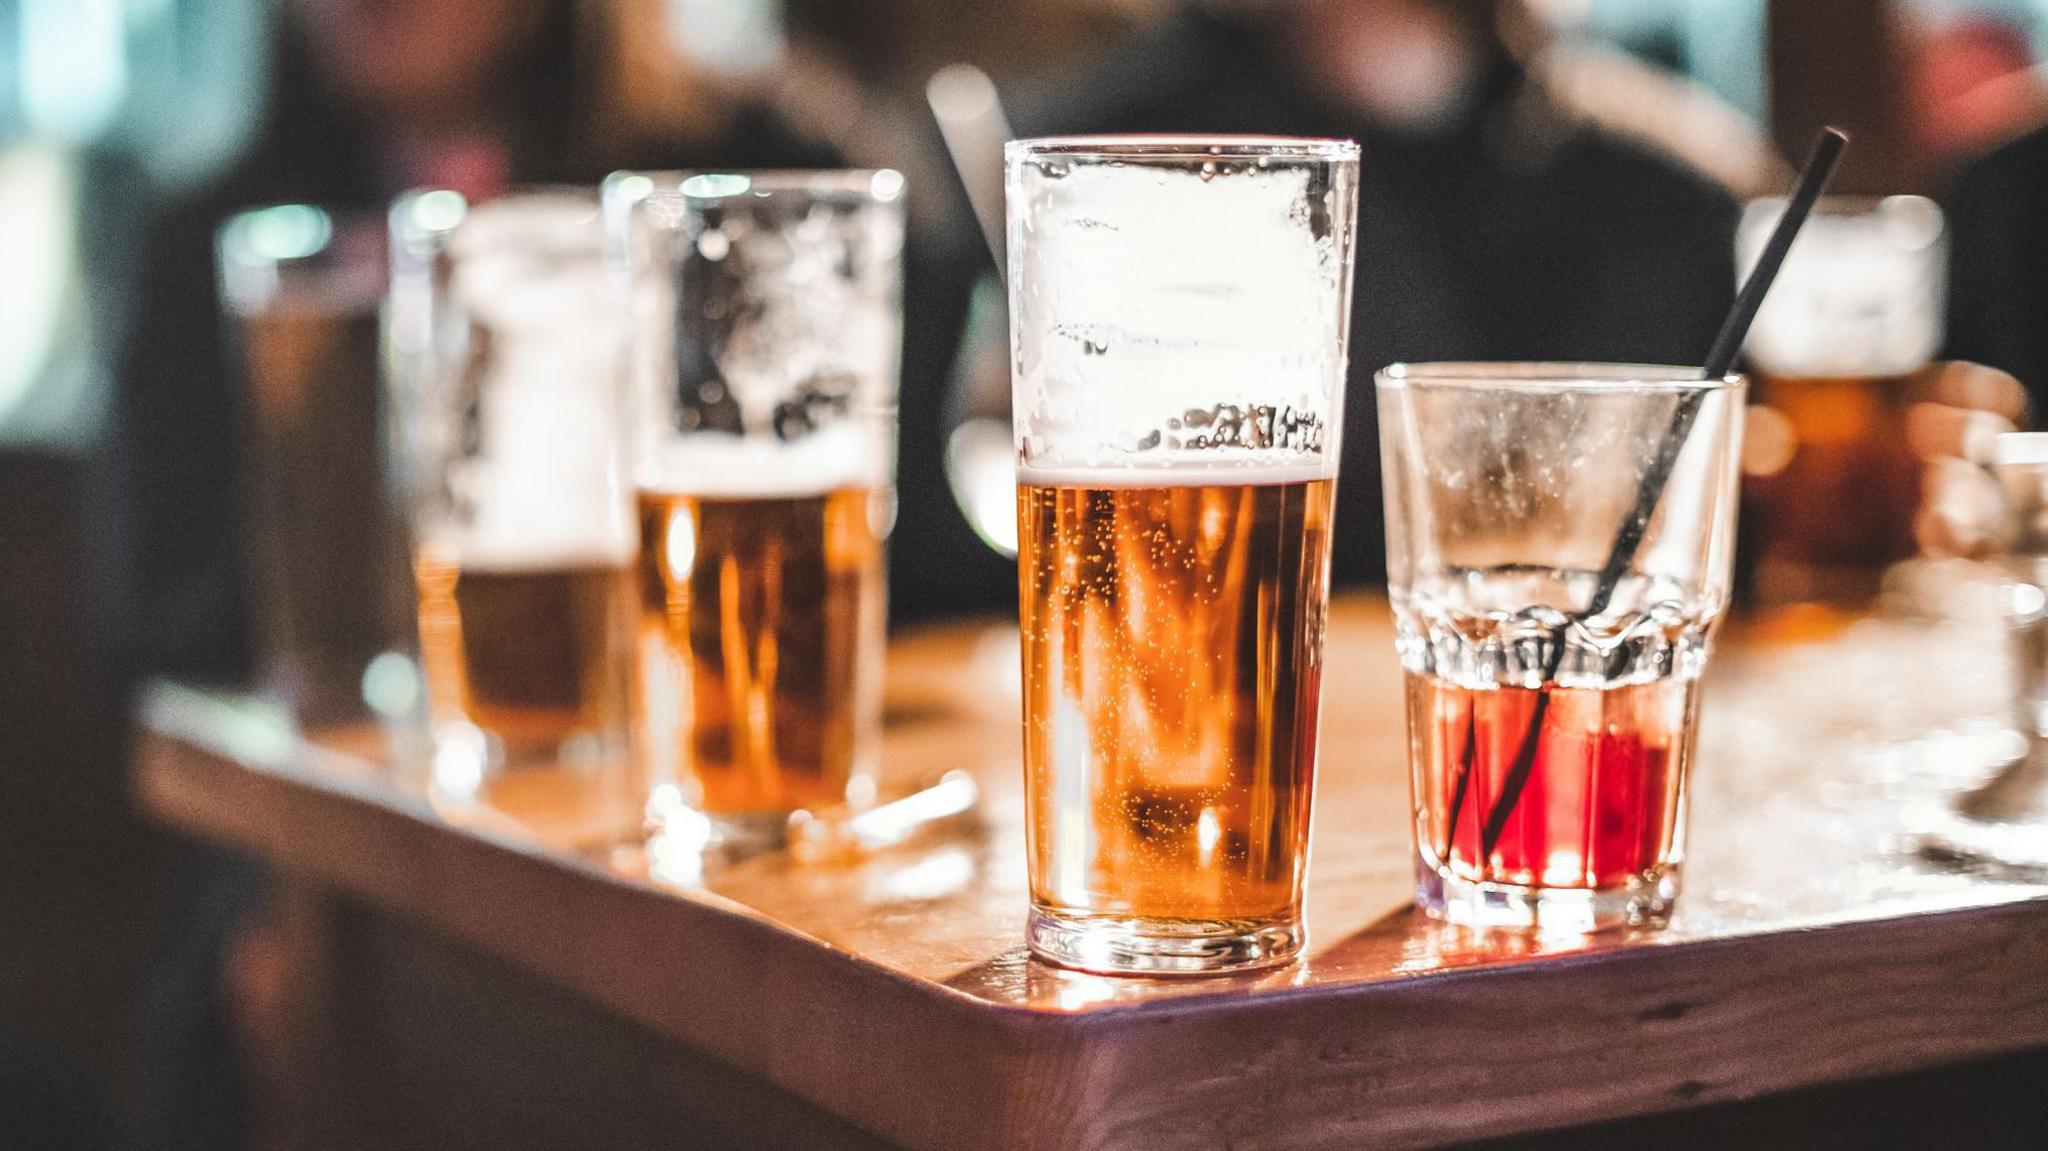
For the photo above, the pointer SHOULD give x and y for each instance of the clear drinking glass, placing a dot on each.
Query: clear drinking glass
(508, 337)
(302, 290)
(1839, 349)
(1553, 701)
(768, 318)
(1179, 311)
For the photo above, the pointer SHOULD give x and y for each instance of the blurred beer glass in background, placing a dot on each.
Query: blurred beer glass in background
(1179, 313)
(1840, 353)
(768, 316)
(302, 291)
(508, 337)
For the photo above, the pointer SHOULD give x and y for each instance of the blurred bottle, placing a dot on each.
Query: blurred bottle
(335, 642)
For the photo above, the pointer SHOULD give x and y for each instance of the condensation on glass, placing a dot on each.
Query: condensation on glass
(1553, 800)
(1179, 311)
(508, 359)
(767, 320)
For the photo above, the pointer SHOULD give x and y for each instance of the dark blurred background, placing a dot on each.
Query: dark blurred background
(124, 121)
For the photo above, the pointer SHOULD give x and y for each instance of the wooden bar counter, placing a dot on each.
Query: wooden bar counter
(465, 986)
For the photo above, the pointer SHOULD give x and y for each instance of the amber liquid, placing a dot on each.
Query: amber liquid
(1172, 672)
(761, 636)
(1826, 526)
(540, 662)
(1602, 803)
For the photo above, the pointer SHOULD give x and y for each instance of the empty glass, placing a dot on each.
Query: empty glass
(302, 289)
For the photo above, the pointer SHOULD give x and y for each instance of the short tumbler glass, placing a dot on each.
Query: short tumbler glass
(1552, 666)
(1179, 310)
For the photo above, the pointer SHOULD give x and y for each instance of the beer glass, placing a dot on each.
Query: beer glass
(302, 289)
(1179, 310)
(508, 338)
(1553, 699)
(1838, 349)
(767, 318)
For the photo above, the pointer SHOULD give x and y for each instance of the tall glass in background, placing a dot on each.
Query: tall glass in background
(302, 290)
(1556, 802)
(1840, 350)
(768, 319)
(509, 341)
(1179, 313)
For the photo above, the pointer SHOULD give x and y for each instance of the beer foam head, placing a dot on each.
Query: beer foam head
(1861, 292)
(767, 314)
(1175, 304)
(537, 472)
(848, 454)
(1182, 473)
(546, 485)
(533, 262)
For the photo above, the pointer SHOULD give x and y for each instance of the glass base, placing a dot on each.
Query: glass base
(1641, 902)
(1124, 945)
(750, 834)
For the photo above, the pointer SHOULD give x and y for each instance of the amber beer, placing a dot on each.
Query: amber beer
(761, 637)
(536, 662)
(1836, 507)
(1172, 638)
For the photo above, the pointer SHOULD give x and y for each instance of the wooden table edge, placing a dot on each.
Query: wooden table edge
(980, 1068)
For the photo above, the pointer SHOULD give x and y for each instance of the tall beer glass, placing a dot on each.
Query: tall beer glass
(302, 288)
(767, 322)
(1839, 349)
(508, 339)
(1179, 311)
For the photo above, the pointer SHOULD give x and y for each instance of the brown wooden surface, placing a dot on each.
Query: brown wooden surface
(1812, 945)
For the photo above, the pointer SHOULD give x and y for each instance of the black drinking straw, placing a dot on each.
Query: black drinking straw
(1819, 166)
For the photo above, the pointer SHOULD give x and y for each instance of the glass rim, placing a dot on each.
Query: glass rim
(1554, 376)
(1184, 147)
(232, 238)
(1850, 204)
(877, 185)
(425, 218)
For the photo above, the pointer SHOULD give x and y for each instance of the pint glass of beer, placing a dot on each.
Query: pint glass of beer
(767, 316)
(324, 517)
(1179, 310)
(1839, 349)
(508, 350)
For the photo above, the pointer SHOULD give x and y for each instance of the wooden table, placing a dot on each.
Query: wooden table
(891, 1001)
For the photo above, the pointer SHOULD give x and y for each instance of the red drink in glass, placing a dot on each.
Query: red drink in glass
(1602, 807)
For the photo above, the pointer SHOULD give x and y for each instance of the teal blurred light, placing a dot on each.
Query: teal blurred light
(168, 90)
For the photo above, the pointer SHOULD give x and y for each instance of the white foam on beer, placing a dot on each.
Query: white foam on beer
(1142, 293)
(1858, 295)
(546, 487)
(852, 453)
(1168, 476)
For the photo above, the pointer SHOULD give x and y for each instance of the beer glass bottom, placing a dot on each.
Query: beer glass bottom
(1641, 901)
(750, 833)
(1126, 945)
